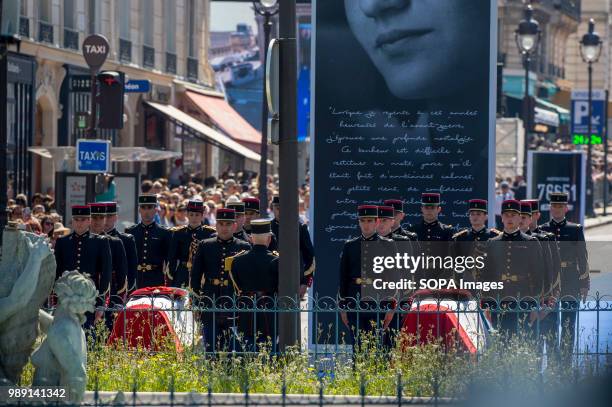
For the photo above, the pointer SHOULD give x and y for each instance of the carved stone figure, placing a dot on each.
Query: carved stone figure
(27, 272)
(61, 359)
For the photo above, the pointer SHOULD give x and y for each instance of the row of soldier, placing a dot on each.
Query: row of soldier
(546, 269)
(194, 255)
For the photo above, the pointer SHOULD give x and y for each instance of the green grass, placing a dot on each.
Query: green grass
(424, 370)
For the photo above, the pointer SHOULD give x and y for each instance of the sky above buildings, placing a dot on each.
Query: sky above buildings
(225, 15)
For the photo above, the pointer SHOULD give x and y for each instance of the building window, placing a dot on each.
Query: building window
(45, 28)
(148, 50)
(71, 35)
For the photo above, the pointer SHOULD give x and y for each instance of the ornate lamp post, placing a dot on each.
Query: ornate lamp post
(527, 37)
(590, 49)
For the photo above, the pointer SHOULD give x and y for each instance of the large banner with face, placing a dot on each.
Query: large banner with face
(404, 103)
(558, 171)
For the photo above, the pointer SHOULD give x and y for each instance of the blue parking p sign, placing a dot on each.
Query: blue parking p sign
(93, 156)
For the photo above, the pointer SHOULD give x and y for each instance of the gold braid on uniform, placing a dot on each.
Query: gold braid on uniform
(228, 268)
(460, 233)
(310, 269)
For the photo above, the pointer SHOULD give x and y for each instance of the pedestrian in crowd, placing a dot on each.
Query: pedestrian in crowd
(180, 215)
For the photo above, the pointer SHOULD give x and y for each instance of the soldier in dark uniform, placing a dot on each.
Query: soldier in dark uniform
(551, 264)
(251, 211)
(513, 258)
(478, 233)
(386, 223)
(398, 218)
(128, 243)
(184, 243)
(307, 256)
(432, 234)
(575, 281)
(254, 275)
(87, 253)
(238, 207)
(118, 256)
(352, 281)
(211, 283)
(152, 244)
(430, 229)
(551, 238)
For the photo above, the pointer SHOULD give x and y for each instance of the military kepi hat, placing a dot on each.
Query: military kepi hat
(386, 212)
(535, 205)
(526, 208)
(511, 205)
(81, 210)
(226, 214)
(367, 211)
(97, 209)
(148, 199)
(111, 208)
(261, 226)
(477, 205)
(430, 198)
(251, 204)
(237, 206)
(397, 204)
(559, 197)
(195, 206)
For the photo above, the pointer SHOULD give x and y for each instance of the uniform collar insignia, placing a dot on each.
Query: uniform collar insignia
(368, 239)
(434, 223)
(514, 234)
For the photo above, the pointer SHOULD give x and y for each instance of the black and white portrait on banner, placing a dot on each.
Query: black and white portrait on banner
(404, 103)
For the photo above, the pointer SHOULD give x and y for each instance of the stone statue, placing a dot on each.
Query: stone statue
(61, 359)
(27, 272)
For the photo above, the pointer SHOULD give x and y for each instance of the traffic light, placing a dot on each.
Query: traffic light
(110, 99)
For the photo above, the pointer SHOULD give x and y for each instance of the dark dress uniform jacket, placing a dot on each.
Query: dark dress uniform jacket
(254, 275)
(516, 260)
(573, 256)
(552, 261)
(307, 255)
(89, 254)
(119, 264)
(129, 245)
(469, 242)
(403, 232)
(208, 275)
(178, 256)
(351, 277)
(431, 239)
(152, 244)
(242, 235)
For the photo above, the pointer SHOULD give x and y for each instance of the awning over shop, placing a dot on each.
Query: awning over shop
(545, 112)
(204, 132)
(118, 154)
(225, 117)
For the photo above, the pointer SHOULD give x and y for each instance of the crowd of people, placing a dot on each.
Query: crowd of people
(39, 214)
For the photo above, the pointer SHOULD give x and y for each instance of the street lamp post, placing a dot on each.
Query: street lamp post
(267, 9)
(590, 50)
(527, 37)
